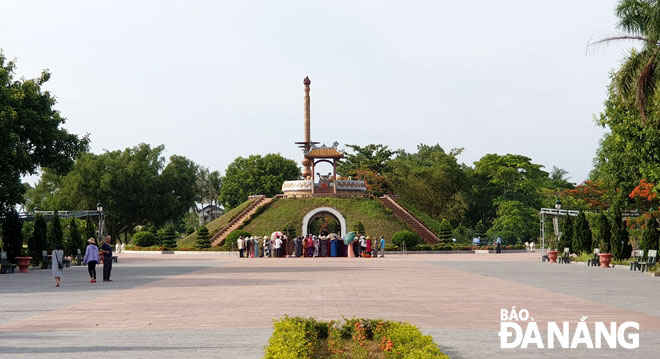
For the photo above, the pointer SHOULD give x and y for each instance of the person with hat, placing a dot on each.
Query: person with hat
(91, 258)
(363, 246)
(241, 245)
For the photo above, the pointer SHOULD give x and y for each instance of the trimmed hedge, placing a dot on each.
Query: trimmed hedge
(297, 337)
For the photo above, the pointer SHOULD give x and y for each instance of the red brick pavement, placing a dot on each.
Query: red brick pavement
(249, 293)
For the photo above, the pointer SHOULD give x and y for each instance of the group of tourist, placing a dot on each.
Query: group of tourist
(280, 246)
(92, 258)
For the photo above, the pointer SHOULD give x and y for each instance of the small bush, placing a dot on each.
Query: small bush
(392, 247)
(425, 247)
(292, 338)
(203, 238)
(169, 237)
(144, 239)
(411, 239)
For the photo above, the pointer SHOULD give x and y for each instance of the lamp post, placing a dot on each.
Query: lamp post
(99, 208)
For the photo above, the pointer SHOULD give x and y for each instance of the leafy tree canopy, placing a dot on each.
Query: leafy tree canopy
(31, 135)
(256, 175)
(134, 186)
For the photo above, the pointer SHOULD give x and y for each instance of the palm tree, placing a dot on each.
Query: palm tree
(214, 187)
(558, 174)
(637, 78)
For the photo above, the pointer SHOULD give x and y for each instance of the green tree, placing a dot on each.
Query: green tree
(134, 185)
(90, 230)
(31, 135)
(637, 79)
(75, 239)
(567, 234)
(373, 157)
(203, 238)
(445, 232)
(650, 236)
(582, 238)
(432, 181)
(499, 179)
(55, 233)
(480, 229)
(604, 233)
(515, 222)
(619, 239)
(12, 237)
(256, 175)
(169, 237)
(38, 241)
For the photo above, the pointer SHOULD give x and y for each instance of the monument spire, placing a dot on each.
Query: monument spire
(306, 145)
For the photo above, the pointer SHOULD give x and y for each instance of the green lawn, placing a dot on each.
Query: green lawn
(216, 225)
(376, 219)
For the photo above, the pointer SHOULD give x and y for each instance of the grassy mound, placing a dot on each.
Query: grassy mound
(216, 225)
(376, 219)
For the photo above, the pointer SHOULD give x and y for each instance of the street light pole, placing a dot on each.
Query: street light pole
(99, 208)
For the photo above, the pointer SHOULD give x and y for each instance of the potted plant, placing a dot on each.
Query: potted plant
(604, 256)
(553, 242)
(23, 262)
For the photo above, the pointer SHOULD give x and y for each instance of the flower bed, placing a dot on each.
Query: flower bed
(296, 337)
(130, 247)
(452, 247)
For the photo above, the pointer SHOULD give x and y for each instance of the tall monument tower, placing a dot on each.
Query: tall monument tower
(306, 145)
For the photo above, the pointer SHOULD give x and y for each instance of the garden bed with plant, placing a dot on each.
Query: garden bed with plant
(296, 337)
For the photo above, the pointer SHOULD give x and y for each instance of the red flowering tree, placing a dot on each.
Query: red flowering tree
(591, 193)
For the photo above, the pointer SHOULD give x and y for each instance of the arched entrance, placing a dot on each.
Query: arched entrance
(324, 211)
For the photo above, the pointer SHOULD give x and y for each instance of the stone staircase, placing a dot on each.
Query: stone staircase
(401, 213)
(219, 237)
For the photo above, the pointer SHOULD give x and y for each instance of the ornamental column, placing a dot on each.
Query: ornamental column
(307, 172)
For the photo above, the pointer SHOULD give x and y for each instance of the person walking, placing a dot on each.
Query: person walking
(91, 258)
(106, 249)
(382, 246)
(57, 257)
(498, 248)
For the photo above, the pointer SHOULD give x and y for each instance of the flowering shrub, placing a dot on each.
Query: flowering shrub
(295, 337)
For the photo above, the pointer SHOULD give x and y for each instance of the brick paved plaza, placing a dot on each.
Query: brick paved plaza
(219, 306)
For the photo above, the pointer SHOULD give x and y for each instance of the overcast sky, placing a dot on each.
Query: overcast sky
(213, 80)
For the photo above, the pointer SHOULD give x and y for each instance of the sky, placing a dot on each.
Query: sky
(214, 80)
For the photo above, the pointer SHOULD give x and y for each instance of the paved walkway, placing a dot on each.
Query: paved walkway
(203, 306)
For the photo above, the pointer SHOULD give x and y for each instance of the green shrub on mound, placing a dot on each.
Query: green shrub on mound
(296, 337)
(411, 239)
(144, 239)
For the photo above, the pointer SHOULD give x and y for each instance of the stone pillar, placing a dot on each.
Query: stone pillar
(312, 176)
(306, 163)
(334, 174)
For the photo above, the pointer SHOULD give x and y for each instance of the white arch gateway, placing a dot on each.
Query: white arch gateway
(321, 210)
